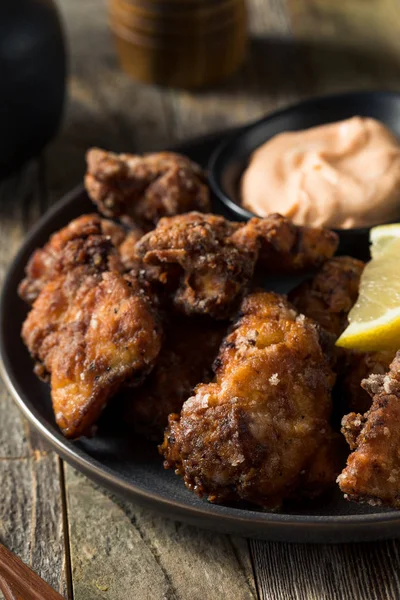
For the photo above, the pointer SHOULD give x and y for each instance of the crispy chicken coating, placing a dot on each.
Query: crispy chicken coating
(260, 432)
(146, 187)
(330, 294)
(354, 369)
(209, 261)
(372, 474)
(91, 330)
(189, 349)
(126, 249)
(50, 261)
(286, 247)
(327, 298)
(207, 271)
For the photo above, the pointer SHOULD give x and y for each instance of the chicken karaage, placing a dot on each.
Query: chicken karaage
(260, 432)
(208, 262)
(330, 294)
(91, 330)
(372, 474)
(327, 298)
(285, 247)
(189, 349)
(146, 187)
(54, 258)
(206, 270)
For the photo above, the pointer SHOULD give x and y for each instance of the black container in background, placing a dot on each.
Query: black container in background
(32, 78)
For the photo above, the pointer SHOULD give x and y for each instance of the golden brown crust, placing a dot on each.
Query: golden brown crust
(255, 433)
(356, 367)
(189, 349)
(372, 474)
(145, 188)
(327, 298)
(286, 247)
(209, 261)
(50, 261)
(91, 329)
(200, 262)
(330, 294)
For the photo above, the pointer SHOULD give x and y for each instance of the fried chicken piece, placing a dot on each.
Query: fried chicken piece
(357, 367)
(330, 294)
(286, 247)
(50, 261)
(146, 187)
(200, 262)
(372, 474)
(327, 298)
(260, 432)
(91, 330)
(126, 249)
(189, 349)
(210, 261)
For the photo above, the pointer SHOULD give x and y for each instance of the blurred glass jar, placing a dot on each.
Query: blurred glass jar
(32, 78)
(179, 43)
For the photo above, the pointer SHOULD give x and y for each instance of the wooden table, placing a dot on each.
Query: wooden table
(86, 543)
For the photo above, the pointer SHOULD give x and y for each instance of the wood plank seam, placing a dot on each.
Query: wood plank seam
(254, 570)
(171, 592)
(67, 549)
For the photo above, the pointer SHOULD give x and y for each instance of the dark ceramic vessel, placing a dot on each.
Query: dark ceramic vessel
(32, 78)
(230, 159)
(132, 468)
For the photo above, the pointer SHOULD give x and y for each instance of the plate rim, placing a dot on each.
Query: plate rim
(264, 525)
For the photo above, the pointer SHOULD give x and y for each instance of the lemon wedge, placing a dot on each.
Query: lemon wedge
(380, 237)
(375, 318)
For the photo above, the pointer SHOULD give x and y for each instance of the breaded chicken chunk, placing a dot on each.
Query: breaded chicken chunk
(328, 298)
(372, 474)
(146, 187)
(209, 261)
(51, 260)
(285, 247)
(260, 432)
(189, 349)
(91, 330)
(200, 262)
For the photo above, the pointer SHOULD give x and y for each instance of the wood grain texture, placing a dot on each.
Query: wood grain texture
(19, 206)
(348, 572)
(31, 520)
(120, 551)
(31, 515)
(347, 45)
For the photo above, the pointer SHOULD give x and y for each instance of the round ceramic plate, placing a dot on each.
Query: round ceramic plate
(132, 467)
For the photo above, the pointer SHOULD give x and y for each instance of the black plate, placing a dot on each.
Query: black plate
(231, 158)
(132, 468)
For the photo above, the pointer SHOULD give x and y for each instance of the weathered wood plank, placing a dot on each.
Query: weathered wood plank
(120, 550)
(31, 523)
(31, 520)
(19, 207)
(347, 572)
(347, 45)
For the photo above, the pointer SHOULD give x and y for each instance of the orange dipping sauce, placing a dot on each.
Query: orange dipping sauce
(342, 175)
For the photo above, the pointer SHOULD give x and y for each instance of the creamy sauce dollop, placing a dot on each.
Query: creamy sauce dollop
(344, 174)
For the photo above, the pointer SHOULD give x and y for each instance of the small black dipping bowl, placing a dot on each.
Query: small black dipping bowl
(231, 157)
